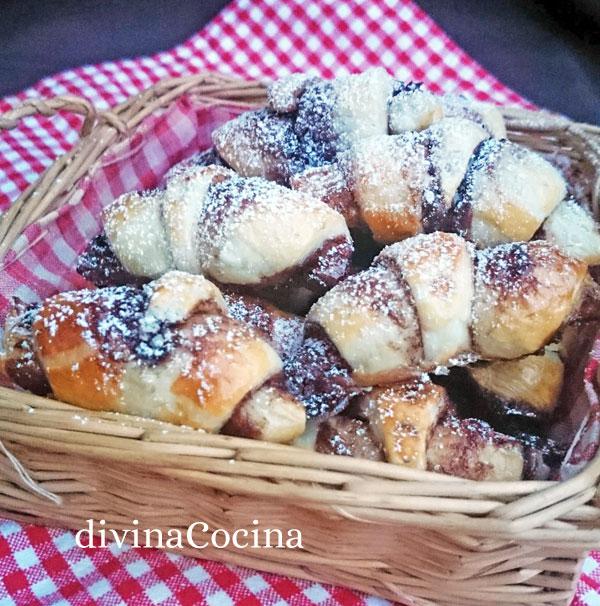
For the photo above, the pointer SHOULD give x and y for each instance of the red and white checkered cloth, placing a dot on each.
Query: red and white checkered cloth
(264, 38)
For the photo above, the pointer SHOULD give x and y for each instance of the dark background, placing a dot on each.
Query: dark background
(550, 54)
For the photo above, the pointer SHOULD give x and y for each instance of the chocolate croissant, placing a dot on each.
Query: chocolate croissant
(209, 221)
(308, 121)
(417, 427)
(451, 176)
(433, 300)
(414, 424)
(167, 351)
(515, 396)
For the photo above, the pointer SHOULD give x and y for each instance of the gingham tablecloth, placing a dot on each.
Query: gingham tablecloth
(264, 38)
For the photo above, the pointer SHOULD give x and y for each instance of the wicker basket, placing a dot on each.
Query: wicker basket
(411, 536)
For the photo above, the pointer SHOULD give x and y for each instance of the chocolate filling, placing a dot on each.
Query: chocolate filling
(319, 376)
(484, 158)
(433, 209)
(405, 87)
(508, 416)
(99, 264)
(315, 123)
(507, 268)
(239, 424)
(22, 364)
(324, 268)
(543, 456)
(117, 318)
(348, 437)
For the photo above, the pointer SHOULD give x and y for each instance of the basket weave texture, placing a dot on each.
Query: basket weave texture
(411, 536)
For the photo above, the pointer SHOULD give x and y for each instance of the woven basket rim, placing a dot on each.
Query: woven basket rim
(510, 508)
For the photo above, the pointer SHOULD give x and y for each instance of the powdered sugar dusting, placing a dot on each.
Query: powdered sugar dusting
(284, 331)
(315, 124)
(283, 94)
(470, 448)
(415, 392)
(113, 321)
(213, 342)
(260, 143)
(238, 201)
(430, 259)
(504, 267)
(319, 376)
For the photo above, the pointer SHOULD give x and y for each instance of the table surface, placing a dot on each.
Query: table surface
(546, 51)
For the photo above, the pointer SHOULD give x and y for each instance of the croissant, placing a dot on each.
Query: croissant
(209, 221)
(515, 396)
(167, 351)
(433, 300)
(414, 424)
(309, 121)
(450, 176)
